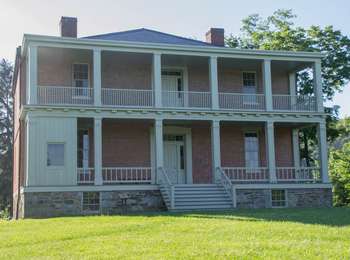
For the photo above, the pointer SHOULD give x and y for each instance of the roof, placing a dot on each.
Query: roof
(147, 35)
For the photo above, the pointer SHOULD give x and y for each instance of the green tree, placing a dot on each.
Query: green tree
(6, 133)
(339, 169)
(278, 32)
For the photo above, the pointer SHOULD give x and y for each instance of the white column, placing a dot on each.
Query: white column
(296, 149)
(32, 74)
(318, 85)
(266, 75)
(270, 144)
(158, 127)
(157, 79)
(98, 150)
(323, 153)
(213, 79)
(292, 88)
(97, 76)
(215, 148)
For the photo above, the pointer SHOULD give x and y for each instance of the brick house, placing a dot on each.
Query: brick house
(143, 120)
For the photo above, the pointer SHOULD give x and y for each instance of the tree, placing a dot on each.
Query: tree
(6, 133)
(278, 32)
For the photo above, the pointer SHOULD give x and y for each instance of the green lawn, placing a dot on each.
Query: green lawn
(264, 234)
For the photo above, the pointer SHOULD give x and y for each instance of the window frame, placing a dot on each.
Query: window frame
(255, 79)
(47, 155)
(285, 200)
(258, 146)
(88, 77)
(89, 210)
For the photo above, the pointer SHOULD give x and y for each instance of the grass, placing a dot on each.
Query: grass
(247, 234)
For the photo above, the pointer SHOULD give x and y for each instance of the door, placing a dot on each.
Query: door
(174, 161)
(172, 89)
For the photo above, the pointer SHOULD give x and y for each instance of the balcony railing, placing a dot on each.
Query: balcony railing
(295, 174)
(243, 174)
(120, 175)
(238, 101)
(127, 97)
(294, 103)
(186, 99)
(86, 175)
(58, 95)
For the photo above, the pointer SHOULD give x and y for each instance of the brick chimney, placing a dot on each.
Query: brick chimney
(68, 27)
(215, 36)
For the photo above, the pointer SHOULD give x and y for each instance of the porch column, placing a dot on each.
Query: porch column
(270, 143)
(318, 85)
(292, 88)
(215, 148)
(157, 79)
(32, 72)
(266, 75)
(213, 79)
(296, 149)
(323, 153)
(158, 127)
(98, 150)
(97, 76)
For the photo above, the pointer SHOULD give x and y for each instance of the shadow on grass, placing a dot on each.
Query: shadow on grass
(336, 217)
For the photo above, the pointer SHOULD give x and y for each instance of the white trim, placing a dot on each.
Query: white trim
(90, 188)
(82, 43)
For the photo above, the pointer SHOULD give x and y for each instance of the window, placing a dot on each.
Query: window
(83, 148)
(81, 78)
(251, 145)
(278, 198)
(91, 201)
(55, 154)
(249, 80)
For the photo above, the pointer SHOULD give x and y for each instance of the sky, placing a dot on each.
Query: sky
(181, 17)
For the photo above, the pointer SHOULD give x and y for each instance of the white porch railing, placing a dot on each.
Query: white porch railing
(243, 174)
(228, 186)
(294, 103)
(294, 174)
(166, 187)
(127, 97)
(239, 101)
(85, 175)
(59, 95)
(119, 175)
(188, 99)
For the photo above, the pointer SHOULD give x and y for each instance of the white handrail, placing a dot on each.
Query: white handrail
(166, 184)
(85, 175)
(60, 95)
(298, 174)
(294, 102)
(241, 101)
(228, 186)
(191, 99)
(244, 174)
(127, 175)
(127, 97)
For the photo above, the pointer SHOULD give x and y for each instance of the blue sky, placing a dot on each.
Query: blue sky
(181, 17)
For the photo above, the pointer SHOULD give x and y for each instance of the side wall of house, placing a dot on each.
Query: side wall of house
(40, 132)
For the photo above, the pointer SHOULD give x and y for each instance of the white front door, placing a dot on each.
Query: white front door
(174, 161)
(172, 89)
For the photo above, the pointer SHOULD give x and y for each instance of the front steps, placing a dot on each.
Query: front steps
(197, 197)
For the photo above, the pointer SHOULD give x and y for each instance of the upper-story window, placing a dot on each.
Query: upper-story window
(80, 75)
(249, 82)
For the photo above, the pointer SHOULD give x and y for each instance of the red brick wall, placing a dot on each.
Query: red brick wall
(283, 147)
(125, 144)
(201, 154)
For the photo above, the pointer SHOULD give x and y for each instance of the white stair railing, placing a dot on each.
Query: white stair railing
(166, 185)
(228, 186)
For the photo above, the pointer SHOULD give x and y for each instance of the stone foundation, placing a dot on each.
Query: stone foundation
(53, 204)
(295, 198)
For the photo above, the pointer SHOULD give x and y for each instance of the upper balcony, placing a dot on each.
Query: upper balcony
(105, 78)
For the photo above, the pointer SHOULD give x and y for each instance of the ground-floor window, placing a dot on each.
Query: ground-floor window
(278, 198)
(91, 201)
